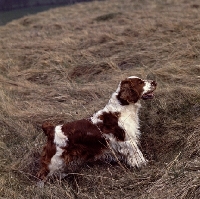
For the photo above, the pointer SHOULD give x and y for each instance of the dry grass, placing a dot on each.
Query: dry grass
(64, 64)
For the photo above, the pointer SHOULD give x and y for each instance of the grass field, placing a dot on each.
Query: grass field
(63, 64)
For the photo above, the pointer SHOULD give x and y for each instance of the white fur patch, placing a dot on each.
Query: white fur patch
(59, 138)
(131, 77)
(57, 162)
(128, 119)
(129, 149)
(134, 155)
(147, 87)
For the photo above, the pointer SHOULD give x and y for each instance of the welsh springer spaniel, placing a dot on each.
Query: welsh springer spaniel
(110, 134)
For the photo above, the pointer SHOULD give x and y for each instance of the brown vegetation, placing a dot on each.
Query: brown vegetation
(64, 64)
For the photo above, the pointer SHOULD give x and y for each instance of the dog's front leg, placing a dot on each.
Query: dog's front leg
(131, 153)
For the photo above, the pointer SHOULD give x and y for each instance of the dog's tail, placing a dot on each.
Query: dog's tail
(48, 129)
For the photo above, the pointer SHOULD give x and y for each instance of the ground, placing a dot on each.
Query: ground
(63, 64)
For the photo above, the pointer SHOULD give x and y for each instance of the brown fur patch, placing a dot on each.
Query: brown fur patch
(130, 91)
(85, 140)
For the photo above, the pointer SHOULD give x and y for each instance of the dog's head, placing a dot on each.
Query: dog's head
(134, 88)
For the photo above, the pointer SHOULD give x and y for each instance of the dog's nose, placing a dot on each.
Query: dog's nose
(153, 83)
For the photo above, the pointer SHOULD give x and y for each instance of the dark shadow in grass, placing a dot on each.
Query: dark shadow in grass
(108, 16)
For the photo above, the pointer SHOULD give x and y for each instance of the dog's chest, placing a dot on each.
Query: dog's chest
(129, 121)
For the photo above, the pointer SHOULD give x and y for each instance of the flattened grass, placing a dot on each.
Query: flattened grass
(64, 64)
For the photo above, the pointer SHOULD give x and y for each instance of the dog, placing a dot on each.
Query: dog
(110, 134)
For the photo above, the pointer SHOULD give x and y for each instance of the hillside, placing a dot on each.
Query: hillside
(64, 64)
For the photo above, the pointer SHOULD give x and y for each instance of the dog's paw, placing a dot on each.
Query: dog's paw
(136, 162)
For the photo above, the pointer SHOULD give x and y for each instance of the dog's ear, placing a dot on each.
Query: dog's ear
(127, 93)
